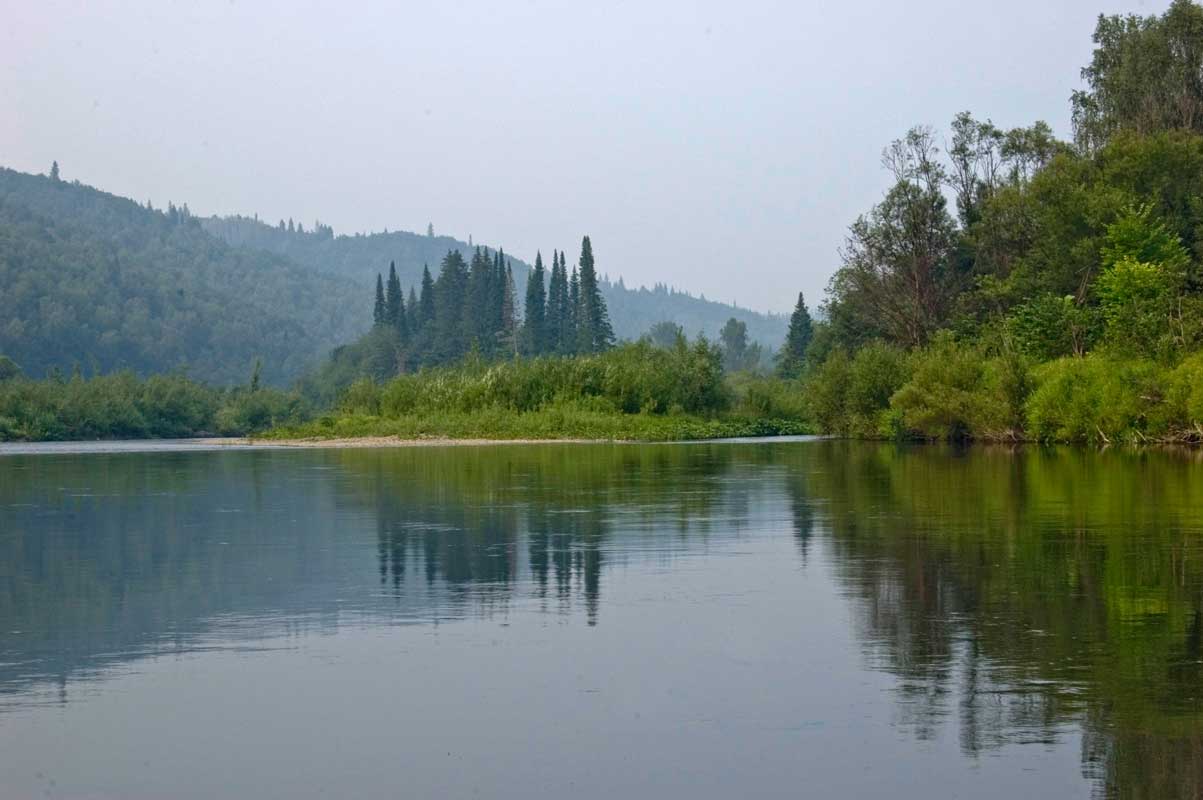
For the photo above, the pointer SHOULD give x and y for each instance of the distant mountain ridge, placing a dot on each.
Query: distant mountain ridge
(358, 257)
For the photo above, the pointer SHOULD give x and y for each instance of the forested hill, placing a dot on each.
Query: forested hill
(359, 257)
(101, 281)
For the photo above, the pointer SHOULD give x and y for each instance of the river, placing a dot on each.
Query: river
(737, 619)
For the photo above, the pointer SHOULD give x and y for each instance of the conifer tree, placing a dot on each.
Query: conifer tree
(54, 176)
(477, 316)
(554, 312)
(508, 335)
(572, 333)
(497, 288)
(378, 312)
(534, 329)
(567, 313)
(426, 299)
(793, 353)
(450, 293)
(412, 314)
(594, 333)
(393, 298)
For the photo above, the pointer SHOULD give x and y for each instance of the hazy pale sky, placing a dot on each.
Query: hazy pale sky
(719, 147)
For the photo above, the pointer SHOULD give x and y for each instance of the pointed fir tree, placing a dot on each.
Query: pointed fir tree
(426, 299)
(378, 312)
(534, 330)
(594, 333)
(792, 358)
(508, 335)
(54, 175)
(450, 309)
(572, 336)
(412, 315)
(393, 297)
(567, 312)
(552, 310)
(477, 316)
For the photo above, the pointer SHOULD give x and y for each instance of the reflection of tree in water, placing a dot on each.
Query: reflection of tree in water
(1023, 592)
(458, 517)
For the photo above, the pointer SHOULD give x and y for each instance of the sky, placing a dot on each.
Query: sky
(718, 147)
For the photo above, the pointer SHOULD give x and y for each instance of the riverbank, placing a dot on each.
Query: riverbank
(497, 425)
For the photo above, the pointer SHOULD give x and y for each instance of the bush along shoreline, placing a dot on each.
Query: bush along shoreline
(636, 391)
(124, 406)
(953, 390)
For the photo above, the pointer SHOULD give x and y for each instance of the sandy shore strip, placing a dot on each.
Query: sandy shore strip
(396, 441)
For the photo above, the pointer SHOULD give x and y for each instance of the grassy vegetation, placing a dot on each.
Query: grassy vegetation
(123, 406)
(557, 421)
(635, 391)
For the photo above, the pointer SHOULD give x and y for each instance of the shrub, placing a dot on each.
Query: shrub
(826, 392)
(875, 374)
(1099, 398)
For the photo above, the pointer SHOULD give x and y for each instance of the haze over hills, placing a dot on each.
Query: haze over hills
(103, 282)
(106, 283)
(359, 257)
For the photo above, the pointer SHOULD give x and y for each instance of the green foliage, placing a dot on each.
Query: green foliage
(1100, 399)
(1143, 76)
(121, 406)
(1046, 326)
(665, 334)
(827, 391)
(764, 397)
(1135, 298)
(955, 393)
(244, 411)
(633, 391)
(630, 379)
(792, 358)
(874, 374)
(738, 355)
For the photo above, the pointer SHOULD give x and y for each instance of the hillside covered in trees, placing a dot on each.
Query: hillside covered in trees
(99, 281)
(359, 257)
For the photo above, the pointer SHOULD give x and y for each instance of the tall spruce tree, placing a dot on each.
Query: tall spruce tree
(534, 327)
(477, 316)
(572, 332)
(392, 297)
(553, 317)
(508, 334)
(792, 358)
(378, 311)
(594, 333)
(426, 299)
(412, 314)
(497, 288)
(450, 342)
(568, 313)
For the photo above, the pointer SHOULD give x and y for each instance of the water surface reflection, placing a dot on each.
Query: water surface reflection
(757, 617)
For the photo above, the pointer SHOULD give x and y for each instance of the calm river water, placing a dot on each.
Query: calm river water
(765, 619)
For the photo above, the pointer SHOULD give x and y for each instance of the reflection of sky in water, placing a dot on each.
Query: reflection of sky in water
(705, 620)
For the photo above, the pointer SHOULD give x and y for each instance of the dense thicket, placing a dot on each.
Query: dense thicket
(93, 279)
(1064, 299)
(471, 308)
